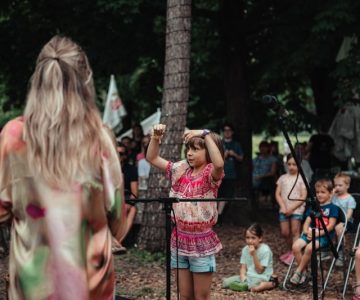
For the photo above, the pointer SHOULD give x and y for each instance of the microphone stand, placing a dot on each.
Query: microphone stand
(168, 202)
(315, 211)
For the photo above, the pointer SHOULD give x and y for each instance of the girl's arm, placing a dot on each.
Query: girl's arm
(152, 154)
(243, 270)
(216, 158)
(349, 213)
(280, 200)
(258, 267)
(134, 188)
(214, 152)
(306, 225)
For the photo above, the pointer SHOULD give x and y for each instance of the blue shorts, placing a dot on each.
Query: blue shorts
(283, 217)
(322, 239)
(195, 264)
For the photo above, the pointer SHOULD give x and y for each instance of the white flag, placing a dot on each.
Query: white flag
(114, 108)
(146, 124)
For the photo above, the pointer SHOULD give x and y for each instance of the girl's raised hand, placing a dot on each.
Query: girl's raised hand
(158, 131)
(191, 133)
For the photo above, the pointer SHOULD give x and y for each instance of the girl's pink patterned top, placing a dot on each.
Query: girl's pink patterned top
(194, 220)
(286, 184)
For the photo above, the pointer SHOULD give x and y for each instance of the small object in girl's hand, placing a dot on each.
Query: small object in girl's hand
(239, 286)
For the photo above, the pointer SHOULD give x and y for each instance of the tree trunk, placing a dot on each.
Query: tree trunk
(236, 87)
(173, 114)
(323, 87)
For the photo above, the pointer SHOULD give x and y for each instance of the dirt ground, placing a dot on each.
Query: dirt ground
(139, 280)
(141, 277)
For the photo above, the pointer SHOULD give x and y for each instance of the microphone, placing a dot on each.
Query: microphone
(274, 104)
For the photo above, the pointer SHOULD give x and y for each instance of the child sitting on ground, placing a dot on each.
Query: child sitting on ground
(256, 265)
(344, 200)
(329, 212)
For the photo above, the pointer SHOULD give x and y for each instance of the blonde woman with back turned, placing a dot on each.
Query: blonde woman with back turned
(60, 184)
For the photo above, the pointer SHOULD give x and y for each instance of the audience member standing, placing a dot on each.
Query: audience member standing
(303, 156)
(321, 159)
(137, 134)
(131, 192)
(144, 144)
(143, 165)
(61, 183)
(274, 151)
(233, 155)
(264, 173)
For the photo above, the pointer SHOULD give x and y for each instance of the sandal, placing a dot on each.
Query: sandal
(296, 278)
(274, 280)
(118, 250)
(303, 278)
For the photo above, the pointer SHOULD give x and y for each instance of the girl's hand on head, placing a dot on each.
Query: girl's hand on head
(158, 131)
(190, 134)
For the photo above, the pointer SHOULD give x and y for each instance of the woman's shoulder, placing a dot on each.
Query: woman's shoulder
(12, 134)
(14, 127)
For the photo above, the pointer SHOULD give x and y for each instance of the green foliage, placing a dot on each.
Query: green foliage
(6, 116)
(290, 48)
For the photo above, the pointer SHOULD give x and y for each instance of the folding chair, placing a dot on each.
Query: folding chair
(356, 223)
(341, 219)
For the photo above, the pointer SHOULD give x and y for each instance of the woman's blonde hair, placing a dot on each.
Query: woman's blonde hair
(63, 128)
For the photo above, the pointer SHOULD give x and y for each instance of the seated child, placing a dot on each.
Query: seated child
(329, 212)
(344, 200)
(256, 265)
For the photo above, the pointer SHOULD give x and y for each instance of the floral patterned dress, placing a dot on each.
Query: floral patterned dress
(60, 237)
(194, 220)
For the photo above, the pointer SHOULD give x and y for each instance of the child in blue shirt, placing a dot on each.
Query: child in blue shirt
(329, 212)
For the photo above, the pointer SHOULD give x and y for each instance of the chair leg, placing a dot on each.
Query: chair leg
(328, 275)
(288, 275)
(351, 263)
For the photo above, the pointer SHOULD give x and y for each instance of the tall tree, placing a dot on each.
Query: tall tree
(173, 114)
